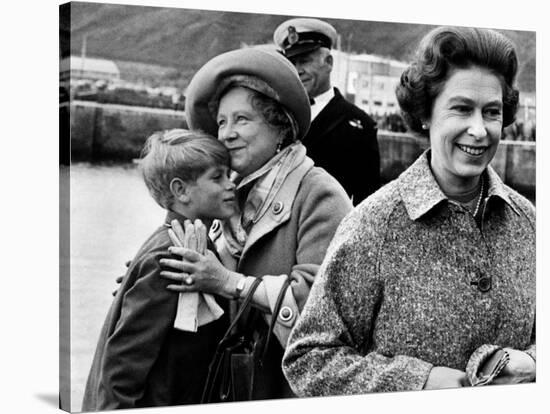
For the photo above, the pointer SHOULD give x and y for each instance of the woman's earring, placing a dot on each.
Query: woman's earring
(424, 126)
(279, 145)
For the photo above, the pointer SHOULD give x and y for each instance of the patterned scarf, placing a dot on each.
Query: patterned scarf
(256, 192)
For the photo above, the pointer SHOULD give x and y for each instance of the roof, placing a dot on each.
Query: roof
(378, 59)
(89, 65)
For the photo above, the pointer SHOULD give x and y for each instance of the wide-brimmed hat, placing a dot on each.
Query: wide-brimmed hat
(303, 35)
(271, 67)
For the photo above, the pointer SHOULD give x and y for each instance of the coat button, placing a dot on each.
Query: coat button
(285, 313)
(484, 284)
(278, 207)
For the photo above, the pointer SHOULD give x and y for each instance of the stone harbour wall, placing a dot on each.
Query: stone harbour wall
(104, 132)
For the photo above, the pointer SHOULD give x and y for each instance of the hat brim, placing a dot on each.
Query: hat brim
(272, 68)
(300, 49)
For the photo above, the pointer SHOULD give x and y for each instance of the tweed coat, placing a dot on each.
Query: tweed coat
(399, 291)
(141, 360)
(291, 239)
(342, 140)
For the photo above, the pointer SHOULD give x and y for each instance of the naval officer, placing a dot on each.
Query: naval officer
(342, 138)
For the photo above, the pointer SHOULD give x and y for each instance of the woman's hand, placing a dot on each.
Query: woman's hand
(196, 272)
(445, 377)
(520, 368)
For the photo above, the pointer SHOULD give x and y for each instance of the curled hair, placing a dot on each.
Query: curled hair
(264, 100)
(178, 153)
(447, 48)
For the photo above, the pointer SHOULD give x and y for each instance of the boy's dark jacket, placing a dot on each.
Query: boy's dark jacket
(141, 360)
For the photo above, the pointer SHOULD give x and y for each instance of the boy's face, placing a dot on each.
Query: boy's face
(212, 196)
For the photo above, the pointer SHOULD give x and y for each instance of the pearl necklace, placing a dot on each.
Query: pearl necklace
(479, 199)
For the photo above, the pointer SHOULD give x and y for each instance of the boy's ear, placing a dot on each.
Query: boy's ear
(180, 190)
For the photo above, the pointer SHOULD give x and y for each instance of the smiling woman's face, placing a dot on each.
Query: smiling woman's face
(465, 127)
(251, 141)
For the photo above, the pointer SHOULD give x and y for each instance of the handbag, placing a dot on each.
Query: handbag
(236, 370)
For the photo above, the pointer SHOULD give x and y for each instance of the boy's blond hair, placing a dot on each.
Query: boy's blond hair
(178, 153)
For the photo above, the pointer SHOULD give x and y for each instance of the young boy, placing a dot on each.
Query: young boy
(141, 360)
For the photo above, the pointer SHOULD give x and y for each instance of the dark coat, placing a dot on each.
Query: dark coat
(141, 360)
(342, 140)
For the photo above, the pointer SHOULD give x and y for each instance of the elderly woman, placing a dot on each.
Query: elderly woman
(434, 274)
(288, 209)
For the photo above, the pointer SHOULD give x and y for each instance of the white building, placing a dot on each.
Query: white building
(75, 67)
(527, 107)
(368, 80)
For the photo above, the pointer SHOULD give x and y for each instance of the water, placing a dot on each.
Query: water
(111, 216)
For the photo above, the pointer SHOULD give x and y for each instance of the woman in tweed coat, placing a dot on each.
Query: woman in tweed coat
(288, 209)
(435, 272)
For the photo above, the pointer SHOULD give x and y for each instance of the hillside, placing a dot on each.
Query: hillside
(183, 39)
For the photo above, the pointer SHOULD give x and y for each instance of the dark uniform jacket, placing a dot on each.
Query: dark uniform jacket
(342, 140)
(141, 360)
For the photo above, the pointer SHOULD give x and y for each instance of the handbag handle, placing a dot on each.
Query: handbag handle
(246, 303)
(276, 309)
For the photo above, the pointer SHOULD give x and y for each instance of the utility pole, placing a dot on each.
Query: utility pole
(83, 55)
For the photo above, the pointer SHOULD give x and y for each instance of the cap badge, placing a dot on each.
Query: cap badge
(356, 123)
(292, 35)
